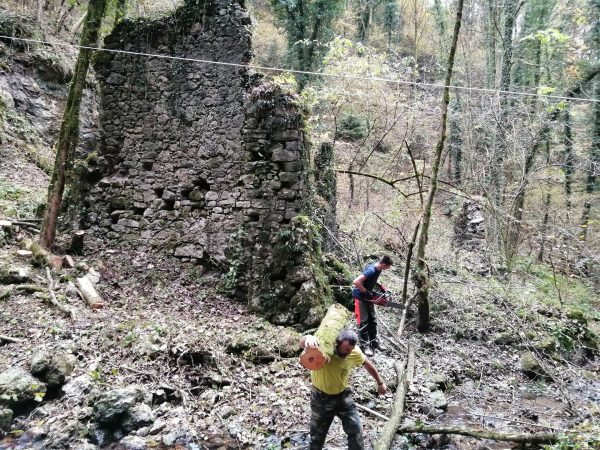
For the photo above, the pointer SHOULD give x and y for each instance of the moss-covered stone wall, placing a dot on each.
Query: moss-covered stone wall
(205, 163)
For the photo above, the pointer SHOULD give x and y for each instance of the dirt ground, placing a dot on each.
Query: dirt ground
(165, 327)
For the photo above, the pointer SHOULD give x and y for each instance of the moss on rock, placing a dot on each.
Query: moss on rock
(265, 342)
(340, 280)
(295, 288)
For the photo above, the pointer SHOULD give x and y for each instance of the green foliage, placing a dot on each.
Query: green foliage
(574, 292)
(17, 201)
(308, 25)
(230, 280)
(584, 436)
(352, 126)
(391, 20)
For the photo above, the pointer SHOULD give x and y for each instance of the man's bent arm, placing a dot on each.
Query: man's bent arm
(358, 282)
(381, 387)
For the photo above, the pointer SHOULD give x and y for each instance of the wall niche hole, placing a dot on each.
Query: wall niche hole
(169, 205)
(202, 184)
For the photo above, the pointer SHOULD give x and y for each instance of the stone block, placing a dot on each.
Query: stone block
(288, 194)
(286, 135)
(211, 196)
(288, 177)
(292, 166)
(284, 156)
(129, 223)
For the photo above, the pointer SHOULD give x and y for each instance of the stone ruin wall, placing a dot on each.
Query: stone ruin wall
(190, 154)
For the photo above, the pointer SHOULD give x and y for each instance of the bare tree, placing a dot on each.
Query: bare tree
(69, 129)
(421, 277)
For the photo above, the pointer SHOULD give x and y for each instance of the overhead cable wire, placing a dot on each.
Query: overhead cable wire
(305, 72)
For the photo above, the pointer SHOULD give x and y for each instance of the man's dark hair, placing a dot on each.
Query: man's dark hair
(387, 260)
(347, 335)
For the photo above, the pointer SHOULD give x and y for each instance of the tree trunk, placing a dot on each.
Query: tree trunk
(69, 130)
(490, 44)
(569, 156)
(421, 277)
(591, 184)
(403, 373)
(514, 223)
(544, 228)
(335, 320)
(498, 175)
(76, 247)
(455, 141)
(365, 17)
(39, 11)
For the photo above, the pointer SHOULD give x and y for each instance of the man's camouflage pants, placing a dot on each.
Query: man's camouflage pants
(324, 408)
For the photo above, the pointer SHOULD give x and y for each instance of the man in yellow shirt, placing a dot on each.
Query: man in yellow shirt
(330, 395)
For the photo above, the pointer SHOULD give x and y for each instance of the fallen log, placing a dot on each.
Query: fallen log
(26, 288)
(29, 288)
(88, 293)
(370, 411)
(53, 300)
(40, 255)
(523, 438)
(21, 223)
(389, 430)
(334, 321)
(10, 339)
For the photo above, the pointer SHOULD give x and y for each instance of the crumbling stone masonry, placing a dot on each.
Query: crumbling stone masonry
(197, 160)
(469, 226)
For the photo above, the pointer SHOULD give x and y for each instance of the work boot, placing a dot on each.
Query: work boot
(367, 351)
(377, 345)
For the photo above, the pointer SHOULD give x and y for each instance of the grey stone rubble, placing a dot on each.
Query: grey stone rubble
(52, 367)
(469, 228)
(18, 386)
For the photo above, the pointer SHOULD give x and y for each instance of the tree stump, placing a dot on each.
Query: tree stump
(334, 321)
(76, 247)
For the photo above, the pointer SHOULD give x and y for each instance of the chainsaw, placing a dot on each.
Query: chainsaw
(383, 299)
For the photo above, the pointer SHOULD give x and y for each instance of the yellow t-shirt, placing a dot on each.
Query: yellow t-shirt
(333, 377)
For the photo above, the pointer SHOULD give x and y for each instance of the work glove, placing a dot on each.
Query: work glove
(311, 342)
(367, 295)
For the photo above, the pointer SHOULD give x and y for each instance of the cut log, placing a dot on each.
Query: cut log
(334, 321)
(76, 247)
(89, 293)
(389, 430)
(525, 438)
(24, 254)
(56, 262)
(68, 262)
